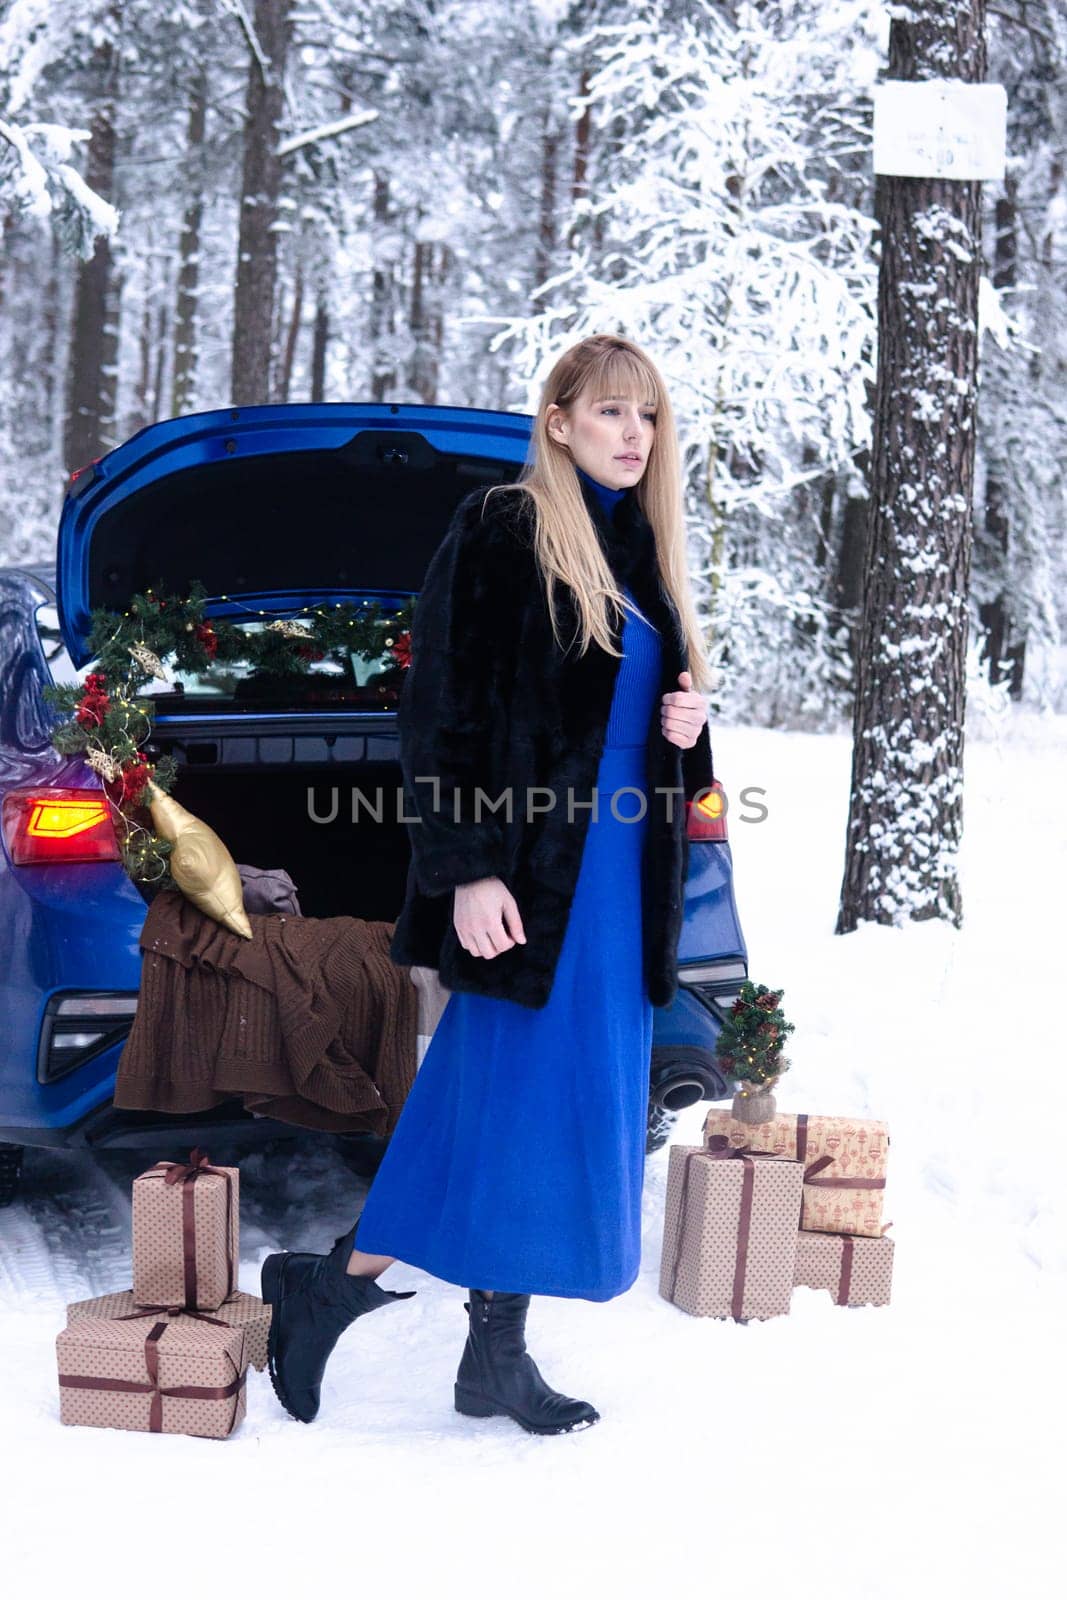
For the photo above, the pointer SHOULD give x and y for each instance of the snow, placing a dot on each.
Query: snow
(865, 1452)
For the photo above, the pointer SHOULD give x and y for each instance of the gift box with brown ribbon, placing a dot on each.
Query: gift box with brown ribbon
(150, 1374)
(844, 1160)
(240, 1310)
(729, 1231)
(854, 1269)
(186, 1234)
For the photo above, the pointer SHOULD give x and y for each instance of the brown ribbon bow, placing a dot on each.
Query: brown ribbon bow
(180, 1171)
(186, 1173)
(172, 1311)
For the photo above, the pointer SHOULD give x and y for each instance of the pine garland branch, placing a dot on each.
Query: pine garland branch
(104, 720)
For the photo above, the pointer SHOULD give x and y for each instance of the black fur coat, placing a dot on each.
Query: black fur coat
(491, 702)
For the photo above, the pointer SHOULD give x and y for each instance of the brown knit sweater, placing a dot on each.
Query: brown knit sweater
(310, 1021)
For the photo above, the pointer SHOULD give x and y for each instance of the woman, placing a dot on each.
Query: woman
(550, 730)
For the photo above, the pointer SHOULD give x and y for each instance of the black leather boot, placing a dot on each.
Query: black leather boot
(313, 1300)
(498, 1377)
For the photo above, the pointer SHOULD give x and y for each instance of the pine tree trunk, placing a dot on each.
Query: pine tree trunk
(319, 341)
(1003, 651)
(291, 337)
(187, 300)
(162, 335)
(383, 373)
(582, 129)
(847, 591)
(445, 263)
(423, 369)
(261, 178)
(138, 413)
(546, 234)
(52, 371)
(92, 371)
(906, 808)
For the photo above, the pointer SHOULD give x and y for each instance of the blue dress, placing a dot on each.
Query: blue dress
(517, 1161)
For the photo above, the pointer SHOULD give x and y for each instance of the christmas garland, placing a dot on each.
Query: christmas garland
(107, 723)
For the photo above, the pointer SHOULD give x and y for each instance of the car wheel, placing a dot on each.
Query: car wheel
(10, 1172)
(660, 1126)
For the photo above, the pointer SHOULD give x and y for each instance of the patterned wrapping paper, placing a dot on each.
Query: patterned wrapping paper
(846, 1195)
(855, 1270)
(241, 1310)
(708, 1267)
(186, 1240)
(152, 1376)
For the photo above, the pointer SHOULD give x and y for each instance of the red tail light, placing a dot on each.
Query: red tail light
(706, 817)
(45, 827)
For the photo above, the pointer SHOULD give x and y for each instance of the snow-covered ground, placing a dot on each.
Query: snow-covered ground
(910, 1451)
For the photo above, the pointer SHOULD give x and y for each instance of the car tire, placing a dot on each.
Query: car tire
(660, 1127)
(10, 1172)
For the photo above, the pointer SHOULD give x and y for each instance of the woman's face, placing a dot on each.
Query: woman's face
(609, 437)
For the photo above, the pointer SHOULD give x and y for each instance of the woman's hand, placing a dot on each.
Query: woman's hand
(683, 713)
(486, 917)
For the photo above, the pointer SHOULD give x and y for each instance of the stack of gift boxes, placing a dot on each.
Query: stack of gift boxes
(171, 1354)
(760, 1208)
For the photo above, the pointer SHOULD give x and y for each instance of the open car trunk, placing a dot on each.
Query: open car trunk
(321, 803)
(279, 510)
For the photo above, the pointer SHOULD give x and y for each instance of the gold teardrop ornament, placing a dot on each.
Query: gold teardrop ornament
(200, 863)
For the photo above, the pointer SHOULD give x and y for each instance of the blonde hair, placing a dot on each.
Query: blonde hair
(565, 541)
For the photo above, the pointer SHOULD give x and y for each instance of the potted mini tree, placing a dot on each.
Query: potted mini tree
(750, 1049)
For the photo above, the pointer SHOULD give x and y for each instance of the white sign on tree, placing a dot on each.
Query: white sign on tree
(940, 128)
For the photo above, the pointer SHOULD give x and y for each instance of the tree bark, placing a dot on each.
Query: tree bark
(582, 129)
(847, 592)
(320, 339)
(187, 299)
(423, 369)
(140, 410)
(383, 371)
(546, 233)
(906, 806)
(1004, 652)
(292, 335)
(261, 179)
(161, 337)
(92, 371)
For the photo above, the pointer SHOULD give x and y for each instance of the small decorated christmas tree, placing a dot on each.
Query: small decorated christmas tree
(750, 1049)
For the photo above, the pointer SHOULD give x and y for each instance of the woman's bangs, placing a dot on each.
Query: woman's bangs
(623, 375)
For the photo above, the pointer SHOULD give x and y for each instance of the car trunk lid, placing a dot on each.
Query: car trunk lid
(274, 508)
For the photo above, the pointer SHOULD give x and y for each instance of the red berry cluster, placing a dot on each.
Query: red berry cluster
(207, 636)
(94, 703)
(134, 776)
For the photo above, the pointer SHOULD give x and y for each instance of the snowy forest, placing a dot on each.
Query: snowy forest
(456, 191)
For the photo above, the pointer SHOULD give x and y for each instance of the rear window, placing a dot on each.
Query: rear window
(349, 681)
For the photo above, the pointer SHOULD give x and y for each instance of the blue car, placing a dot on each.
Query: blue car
(273, 508)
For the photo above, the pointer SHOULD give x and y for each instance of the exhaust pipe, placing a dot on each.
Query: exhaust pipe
(677, 1083)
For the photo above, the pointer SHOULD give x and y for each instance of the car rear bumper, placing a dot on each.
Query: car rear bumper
(108, 1128)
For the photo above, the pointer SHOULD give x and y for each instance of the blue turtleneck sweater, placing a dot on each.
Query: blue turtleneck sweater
(609, 498)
